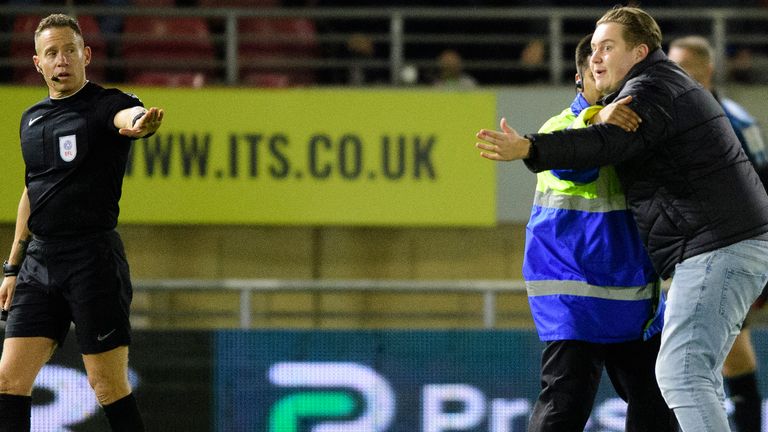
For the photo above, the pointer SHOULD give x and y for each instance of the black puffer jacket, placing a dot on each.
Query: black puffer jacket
(687, 181)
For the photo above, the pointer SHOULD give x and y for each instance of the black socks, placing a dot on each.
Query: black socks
(15, 412)
(746, 401)
(123, 415)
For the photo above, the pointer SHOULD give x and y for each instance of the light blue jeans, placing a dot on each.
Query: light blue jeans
(707, 303)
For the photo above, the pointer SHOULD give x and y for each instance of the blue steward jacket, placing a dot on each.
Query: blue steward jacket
(587, 273)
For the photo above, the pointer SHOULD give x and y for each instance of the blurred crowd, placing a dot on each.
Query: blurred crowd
(292, 51)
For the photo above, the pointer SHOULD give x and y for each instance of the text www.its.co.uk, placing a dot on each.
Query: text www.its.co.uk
(276, 156)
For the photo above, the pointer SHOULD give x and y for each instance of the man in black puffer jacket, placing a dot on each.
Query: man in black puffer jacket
(695, 54)
(700, 207)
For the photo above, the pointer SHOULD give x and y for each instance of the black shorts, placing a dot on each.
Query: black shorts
(83, 280)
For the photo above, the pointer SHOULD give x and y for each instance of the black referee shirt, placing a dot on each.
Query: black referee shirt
(75, 161)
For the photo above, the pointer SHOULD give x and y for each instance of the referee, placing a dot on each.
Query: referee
(67, 263)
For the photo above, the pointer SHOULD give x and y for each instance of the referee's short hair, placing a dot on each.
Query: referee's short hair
(57, 20)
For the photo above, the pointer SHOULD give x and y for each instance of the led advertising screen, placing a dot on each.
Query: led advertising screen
(323, 381)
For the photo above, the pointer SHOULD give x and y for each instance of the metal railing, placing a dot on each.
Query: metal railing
(514, 313)
(489, 38)
(246, 289)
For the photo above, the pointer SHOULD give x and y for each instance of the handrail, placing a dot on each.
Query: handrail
(246, 287)
(398, 34)
(469, 285)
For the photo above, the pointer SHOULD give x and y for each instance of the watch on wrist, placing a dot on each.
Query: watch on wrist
(10, 269)
(137, 117)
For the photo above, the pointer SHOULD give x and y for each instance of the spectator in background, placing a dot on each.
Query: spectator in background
(360, 50)
(694, 54)
(359, 53)
(748, 66)
(533, 63)
(451, 74)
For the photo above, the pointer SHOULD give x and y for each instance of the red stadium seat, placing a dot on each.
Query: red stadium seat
(170, 79)
(167, 45)
(22, 49)
(266, 79)
(266, 42)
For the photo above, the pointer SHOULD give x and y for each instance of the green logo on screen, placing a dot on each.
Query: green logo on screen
(369, 396)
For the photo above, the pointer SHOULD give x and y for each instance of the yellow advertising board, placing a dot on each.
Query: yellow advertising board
(295, 157)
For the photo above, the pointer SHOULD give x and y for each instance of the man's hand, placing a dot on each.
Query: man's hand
(619, 114)
(504, 145)
(7, 289)
(147, 124)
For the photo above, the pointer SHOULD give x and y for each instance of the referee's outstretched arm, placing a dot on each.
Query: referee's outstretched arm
(139, 122)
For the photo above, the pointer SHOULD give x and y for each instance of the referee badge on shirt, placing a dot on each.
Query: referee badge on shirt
(68, 148)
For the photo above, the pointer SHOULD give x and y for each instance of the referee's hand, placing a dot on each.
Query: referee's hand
(146, 125)
(6, 294)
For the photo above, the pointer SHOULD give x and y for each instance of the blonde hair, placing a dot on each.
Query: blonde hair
(639, 27)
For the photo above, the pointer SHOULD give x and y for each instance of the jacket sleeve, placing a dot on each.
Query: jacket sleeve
(603, 144)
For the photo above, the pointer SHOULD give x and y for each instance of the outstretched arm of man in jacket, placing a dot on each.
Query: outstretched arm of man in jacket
(597, 145)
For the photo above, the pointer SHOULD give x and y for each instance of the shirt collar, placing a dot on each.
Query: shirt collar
(69, 96)
(579, 104)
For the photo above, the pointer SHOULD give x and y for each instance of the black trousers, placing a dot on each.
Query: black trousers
(570, 376)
